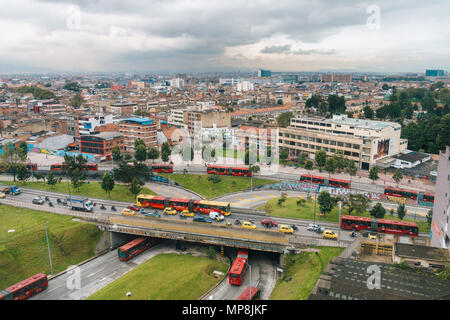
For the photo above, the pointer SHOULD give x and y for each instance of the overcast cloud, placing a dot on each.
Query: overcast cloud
(205, 35)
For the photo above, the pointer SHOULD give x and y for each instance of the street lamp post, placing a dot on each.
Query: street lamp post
(48, 248)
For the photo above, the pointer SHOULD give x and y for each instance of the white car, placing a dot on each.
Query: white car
(216, 216)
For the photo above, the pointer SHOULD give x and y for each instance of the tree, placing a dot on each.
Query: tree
(23, 148)
(368, 112)
(284, 119)
(214, 178)
(351, 168)
(116, 154)
(208, 153)
(283, 154)
(373, 174)
(165, 152)
(397, 176)
(378, 211)
(108, 183)
(140, 153)
(357, 203)
(72, 86)
(336, 104)
(153, 153)
(326, 203)
(76, 101)
(135, 187)
(401, 211)
(321, 158)
(281, 201)
(12, 158)
(330, 165)
(309, 165)
(430, 216)
(385, 87)
(138, 142)
(313, 102)
(51, 180)
(22, 173)
(77, 177)
(253, 169)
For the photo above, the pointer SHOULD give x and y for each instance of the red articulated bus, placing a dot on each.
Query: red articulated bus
(86, 167)
(239, 268)
(166, 168)
(134, 248)
(246, 295)
(325, 181)
(402, 193)
(26, 288)
(402, 228)
(196, 206)
(229, 171)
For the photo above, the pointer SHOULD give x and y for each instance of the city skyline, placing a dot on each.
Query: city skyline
(182, 36)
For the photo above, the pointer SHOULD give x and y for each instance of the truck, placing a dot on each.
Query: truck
(216, 216)
(80, 203)
(15, 190)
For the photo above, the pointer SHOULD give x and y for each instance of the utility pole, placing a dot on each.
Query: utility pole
(48, 247)
(250, 267)
(339, 223)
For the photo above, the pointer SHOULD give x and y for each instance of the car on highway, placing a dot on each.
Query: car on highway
(248, 225)
(202, 219)
(154, 214)
(38, 200)
(128, 212)
(216, 216)
(286, 229)
(315, 228)
(134, 207)
(269, 223)
(328, 234)
(186, 213)
(2, 195)
(169, 211)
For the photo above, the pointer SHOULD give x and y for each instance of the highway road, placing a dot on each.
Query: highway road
(97, 273)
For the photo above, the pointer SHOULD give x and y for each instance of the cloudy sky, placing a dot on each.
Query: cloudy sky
(216, 35)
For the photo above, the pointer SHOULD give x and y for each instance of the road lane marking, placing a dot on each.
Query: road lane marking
(247, 200)
(260, 197)
(300, 197)
(273, 196)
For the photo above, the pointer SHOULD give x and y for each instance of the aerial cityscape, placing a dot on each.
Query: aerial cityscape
(224, 150)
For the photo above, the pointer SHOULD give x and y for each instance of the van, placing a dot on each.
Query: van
(216, 216)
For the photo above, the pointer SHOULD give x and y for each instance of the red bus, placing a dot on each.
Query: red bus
(196, 206)
(31, 166)
(396, 192)
(166, 168)
(325, 181)
(239, 268)
(229, 171)
(134, 248)
(246, 295)
(86, 166)
(26, 288)
(379, 225)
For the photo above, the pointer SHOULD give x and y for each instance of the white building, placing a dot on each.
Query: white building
(177, 83)
(87, 124)
(244, 86)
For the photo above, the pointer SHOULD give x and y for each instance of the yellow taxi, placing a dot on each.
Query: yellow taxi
(128, 212)
(372, 237)
(186, 213)
(286, 229)
(328, 234)
(248, 225)
(170, 211)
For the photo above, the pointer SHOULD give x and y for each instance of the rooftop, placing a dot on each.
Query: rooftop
(412, 156)
(143, 121)
(422, 252)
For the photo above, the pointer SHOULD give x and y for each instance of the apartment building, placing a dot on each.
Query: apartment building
(364, 141)
(133, 129)
(336, 77)
(207, 119)
(440, 231)
(176, 118)
(101, 144)
(87, 124)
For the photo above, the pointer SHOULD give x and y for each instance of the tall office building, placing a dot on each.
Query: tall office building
(440, 231)
(434, 73)
(264, 73)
